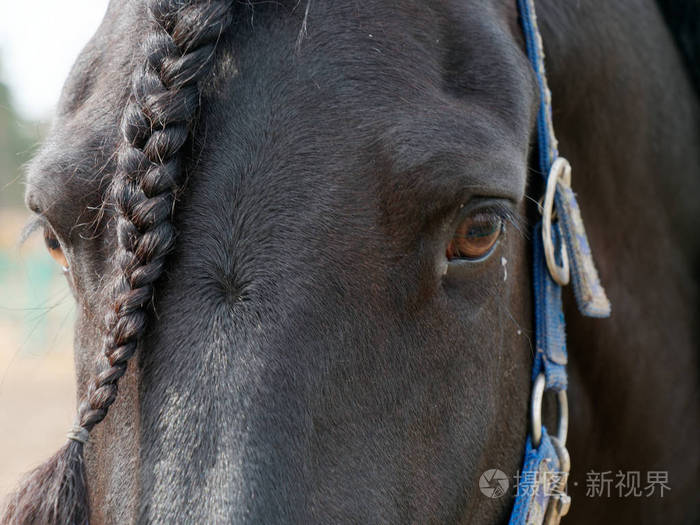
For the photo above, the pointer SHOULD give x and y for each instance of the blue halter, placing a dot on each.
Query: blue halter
(561, 253)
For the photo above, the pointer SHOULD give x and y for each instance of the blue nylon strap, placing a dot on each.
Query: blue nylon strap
(534, 493)
(535, 496)
(536, 482)
(541, 465)
(590, 295)
(550, 333)
(546, 141)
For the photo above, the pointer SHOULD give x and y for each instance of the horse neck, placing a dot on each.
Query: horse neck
(628, 119)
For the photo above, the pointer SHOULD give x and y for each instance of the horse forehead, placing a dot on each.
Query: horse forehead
(388, 54)
(403, 68)
(413, 82)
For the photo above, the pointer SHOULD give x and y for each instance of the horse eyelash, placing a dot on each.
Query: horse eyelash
(33, 224)
(508, 215)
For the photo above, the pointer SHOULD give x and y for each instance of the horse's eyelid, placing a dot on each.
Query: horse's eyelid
(512, 217)
(505, 213)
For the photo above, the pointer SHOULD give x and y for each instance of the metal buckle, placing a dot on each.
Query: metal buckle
(536, 413)
(559, 173)
(559, 505)
(559, 501)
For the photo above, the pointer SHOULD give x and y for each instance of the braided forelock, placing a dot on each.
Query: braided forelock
(155, 125)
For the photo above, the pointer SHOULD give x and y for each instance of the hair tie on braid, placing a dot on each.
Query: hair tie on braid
(79, 434)
(155, 125)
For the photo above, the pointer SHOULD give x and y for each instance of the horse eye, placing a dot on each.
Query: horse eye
(475, 237)
(54, 248)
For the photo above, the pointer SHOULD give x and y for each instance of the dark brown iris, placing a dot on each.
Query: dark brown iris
(475, 237)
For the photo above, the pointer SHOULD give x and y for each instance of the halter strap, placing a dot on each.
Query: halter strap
(561, 253)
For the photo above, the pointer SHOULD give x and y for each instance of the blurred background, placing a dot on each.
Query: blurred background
(39, 41)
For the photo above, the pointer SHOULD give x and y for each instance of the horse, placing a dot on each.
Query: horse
(305, 228)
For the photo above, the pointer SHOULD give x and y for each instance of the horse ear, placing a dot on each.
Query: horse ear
(55, 493)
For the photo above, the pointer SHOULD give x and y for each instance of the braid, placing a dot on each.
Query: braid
(155, 125)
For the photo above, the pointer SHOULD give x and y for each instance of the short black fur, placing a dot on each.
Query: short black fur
(311, 355)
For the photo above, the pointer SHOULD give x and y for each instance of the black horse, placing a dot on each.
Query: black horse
(342, 329)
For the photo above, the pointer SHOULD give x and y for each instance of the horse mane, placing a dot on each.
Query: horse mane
(683, 19)
(156, 124)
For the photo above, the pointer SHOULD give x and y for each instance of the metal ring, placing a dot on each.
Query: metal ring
(560, 173)
(536, 412)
